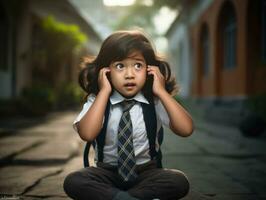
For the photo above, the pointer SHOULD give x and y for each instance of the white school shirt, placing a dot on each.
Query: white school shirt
(140, 139)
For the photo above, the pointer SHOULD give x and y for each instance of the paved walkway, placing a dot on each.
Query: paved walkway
(36, 155)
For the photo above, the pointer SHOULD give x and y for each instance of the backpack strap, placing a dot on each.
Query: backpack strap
(101, 137)
(100, 140)
(151, 126)
(150, 119)
(86, 154)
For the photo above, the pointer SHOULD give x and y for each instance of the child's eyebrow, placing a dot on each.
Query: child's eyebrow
(137, 58)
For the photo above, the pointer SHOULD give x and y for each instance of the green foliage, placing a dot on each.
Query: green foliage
(62, 38)
(41, 99)
(37, 100)
(69, 95)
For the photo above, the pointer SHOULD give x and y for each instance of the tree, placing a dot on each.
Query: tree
(61, 41)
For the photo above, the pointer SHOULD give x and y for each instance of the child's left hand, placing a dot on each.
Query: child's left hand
(158, 79)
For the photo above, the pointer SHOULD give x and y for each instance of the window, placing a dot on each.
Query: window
(229, 36)
(205, 49)
(3, 40)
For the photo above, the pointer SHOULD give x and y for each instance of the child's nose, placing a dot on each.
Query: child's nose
(129, 72)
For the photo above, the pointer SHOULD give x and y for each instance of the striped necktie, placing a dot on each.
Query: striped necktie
(126, 156)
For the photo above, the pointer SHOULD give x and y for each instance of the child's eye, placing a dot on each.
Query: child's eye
(119, 66)
(138, 66)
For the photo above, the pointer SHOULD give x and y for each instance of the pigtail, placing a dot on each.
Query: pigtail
(82, 79)
(88, 77)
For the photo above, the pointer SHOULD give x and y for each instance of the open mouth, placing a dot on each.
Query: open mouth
(129, 85)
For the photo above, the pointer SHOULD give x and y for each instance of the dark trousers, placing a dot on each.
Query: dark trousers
(103, 183)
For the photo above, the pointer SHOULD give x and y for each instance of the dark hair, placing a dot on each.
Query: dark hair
(117, 47)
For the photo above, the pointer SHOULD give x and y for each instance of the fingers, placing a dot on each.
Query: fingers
(103, 81)
(104, 71)
(155, 71)
(152, 69)
(158, 79)
(103, 74)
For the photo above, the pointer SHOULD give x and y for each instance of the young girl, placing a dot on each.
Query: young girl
(130, 96)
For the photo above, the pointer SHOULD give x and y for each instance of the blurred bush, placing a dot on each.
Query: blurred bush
(257, 104)
(65, 37)
(254, 124)
(40, 99)
(69, 95)
(57, 48)
(37, 100)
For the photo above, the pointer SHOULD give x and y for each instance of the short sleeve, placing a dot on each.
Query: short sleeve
(84, 110)
(162, 115)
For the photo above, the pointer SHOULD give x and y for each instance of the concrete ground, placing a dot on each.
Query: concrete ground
(221, 164)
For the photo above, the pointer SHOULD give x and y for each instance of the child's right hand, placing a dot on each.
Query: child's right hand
(103, 82)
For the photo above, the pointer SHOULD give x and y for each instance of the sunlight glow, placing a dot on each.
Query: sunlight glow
(118, 2)
(164, 19)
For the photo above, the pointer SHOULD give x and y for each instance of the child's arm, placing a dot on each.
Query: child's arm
(90, 125)
(180, 121)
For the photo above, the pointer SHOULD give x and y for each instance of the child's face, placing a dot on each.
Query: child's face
(128, 76)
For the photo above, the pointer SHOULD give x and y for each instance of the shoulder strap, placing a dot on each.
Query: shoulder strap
(100, 140)
(86, 154)
(101, 137)
(150, 120)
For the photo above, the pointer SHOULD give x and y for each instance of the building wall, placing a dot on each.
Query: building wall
(181, 48)
(222, 93)
(243, 79)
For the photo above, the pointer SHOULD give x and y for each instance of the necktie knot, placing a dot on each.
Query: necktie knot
(127, 105)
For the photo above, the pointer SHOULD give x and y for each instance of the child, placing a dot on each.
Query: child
(131, 88)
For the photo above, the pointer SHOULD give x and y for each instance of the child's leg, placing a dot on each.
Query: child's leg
(164, 184)
(91, 183)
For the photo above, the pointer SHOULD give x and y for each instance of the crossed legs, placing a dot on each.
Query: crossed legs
(97, 183)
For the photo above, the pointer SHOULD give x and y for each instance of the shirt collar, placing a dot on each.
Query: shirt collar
(116, 98)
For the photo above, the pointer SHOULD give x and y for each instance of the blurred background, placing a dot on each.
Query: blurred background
(217, 50)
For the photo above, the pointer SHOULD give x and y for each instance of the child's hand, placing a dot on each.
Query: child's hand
(158, 79)
(103, 82)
